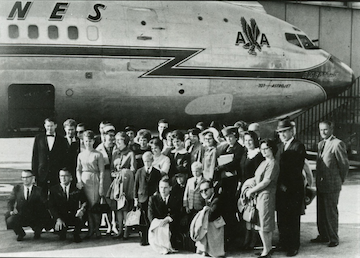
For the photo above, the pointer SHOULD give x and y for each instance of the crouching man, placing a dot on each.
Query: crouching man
(26, 207)
(67, 205)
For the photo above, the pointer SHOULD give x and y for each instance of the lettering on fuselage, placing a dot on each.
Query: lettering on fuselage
(275, 85)
(252, 33)
(57, 14)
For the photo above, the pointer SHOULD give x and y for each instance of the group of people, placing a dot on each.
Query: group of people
(191, 188)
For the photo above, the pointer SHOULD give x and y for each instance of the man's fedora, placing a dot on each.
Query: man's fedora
(284, 124)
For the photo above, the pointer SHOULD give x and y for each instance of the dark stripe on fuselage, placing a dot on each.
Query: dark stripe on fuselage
(170, 68)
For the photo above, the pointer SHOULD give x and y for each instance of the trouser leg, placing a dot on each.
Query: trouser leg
(331, 222)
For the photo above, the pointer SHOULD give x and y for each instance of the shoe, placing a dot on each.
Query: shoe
(125, 238)
(77, 239)
(118, 236)
(144, 243)
(319, 239)
(37, 235)
(98, 235)
(279, 248)
(21, 236)
(269, 253)
(291, 253)
(333, 244)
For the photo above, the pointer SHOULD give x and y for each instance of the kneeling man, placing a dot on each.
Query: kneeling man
(67, 205)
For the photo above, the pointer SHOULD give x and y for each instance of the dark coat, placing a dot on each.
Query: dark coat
(146, 184)
(291, 164)
(46, 164)
(159, 210)
(234, 165)
(72, 151)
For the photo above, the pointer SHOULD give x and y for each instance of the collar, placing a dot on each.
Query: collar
(147, 169)
(30, 187)
(252, 153)
(289, 141)
(329, 139)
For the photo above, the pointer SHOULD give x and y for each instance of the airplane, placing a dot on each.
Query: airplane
(135, 62)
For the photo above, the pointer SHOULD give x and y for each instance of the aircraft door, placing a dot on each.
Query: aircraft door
(29, 105)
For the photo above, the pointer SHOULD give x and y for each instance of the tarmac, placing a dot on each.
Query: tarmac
(15, 155)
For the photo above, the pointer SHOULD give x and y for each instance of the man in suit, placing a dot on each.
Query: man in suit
(163, 206)
(72, 146)
(67, 205)
(49, 155)
(332, 166)
(290, 188)
(195, 149)
(228, 176)
(26, 207)
(146, 184)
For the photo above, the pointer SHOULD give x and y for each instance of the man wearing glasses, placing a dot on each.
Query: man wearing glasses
(26, 207)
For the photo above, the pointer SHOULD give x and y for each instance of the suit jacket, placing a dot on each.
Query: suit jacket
(159, 210)
(192, 196)
(46, 164)
(332, 165)
(60, 206)
(291, 164)
(146, 184)
(234, 165)
(72, 151)
(31, 210)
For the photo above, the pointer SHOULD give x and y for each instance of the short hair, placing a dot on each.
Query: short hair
(210, 182)
(148, 154)
(50, 120)
(157, 142)
(242, 124)
(28, 171)
(166, 132)
(81, 125)
(145, 133)
(163, 121)
(124, 136)
(194, 131)
(271, 144)
(196, 165)
(69, 122)
(65, 170)
(89, 134)
(165, 179)
(253, 136)
(130, 128)
(104, 122)
(328, 122)
(177, 134)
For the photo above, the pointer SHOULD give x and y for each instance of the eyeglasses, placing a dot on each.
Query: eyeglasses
(204, 190)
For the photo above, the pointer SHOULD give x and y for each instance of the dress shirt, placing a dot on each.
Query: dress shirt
(70, 140)
(26, 192)
(50, 140)
(286, 144)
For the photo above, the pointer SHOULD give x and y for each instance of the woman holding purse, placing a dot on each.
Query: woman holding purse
(265, 188)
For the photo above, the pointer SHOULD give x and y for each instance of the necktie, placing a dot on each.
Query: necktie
(27, 193)
(322, 147)
(65, 192)
(196, 183)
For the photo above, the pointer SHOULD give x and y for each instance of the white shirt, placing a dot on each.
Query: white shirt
(50, 140)
(286, 144)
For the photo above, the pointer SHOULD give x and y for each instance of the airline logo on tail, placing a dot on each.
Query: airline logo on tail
(252, 33)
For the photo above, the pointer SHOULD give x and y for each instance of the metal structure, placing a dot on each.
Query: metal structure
(344, 111)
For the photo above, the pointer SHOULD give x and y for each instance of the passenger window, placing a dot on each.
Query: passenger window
(73, 32)
(92, 33)
(306, 42)
(291, 38)
(13, 31)
(53, 32)
(33, 32)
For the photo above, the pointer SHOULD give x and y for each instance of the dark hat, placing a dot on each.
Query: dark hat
(284, 124)
(230, 130)
(194, 131)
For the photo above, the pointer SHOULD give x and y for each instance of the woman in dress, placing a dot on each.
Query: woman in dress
(179, 157)
(161, 162)
(90, 176)
(210, 137)
(250, 161)
(264, 191)
(121, 191)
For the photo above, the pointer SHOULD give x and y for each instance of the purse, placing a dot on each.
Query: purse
(133, 218)
(250, 213)
(101, 207)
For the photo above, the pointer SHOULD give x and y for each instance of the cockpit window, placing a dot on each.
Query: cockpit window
(291, 38)
(306, 42)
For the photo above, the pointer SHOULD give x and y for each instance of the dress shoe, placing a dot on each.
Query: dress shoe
(37, 235)
(333, 244)
(292, 253)
(77, 238)
(319, 239)
(144, 243)
(268, 255)
(20, 237)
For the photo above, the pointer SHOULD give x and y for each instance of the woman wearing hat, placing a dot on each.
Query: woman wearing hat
(210, 137)
(228, 175)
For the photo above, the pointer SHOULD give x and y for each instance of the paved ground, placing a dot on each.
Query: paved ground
(15, 155)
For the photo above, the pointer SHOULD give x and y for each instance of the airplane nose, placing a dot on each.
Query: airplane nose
(337, 77)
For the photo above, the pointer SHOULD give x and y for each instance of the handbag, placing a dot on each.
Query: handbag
(250, 213)
(101, 207)
(133, 218)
